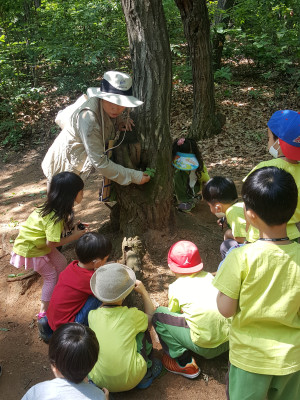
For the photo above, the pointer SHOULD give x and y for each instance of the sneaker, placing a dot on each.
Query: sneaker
(190, 370)
(45, 332)
(185, 207)
(151, 374)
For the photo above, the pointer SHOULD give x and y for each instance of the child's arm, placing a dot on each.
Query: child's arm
(149, 307)
(106, 392)
(228, 235)
(76, 234)
(226, 305)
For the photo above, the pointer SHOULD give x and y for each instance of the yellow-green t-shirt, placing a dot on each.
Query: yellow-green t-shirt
(195, 297)
(31, 241)
(265, 331)
(236, 220)
(119, 367)
(294, 170)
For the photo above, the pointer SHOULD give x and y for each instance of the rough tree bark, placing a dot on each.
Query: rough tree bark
(149, 205)
(194, 15)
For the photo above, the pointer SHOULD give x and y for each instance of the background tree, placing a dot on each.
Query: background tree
(221, 19)
(194, 15)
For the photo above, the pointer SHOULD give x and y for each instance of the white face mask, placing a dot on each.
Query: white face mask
(273, 151)
(220, 214)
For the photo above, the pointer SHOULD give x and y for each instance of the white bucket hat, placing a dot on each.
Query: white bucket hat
(112, 282)
(116, 87)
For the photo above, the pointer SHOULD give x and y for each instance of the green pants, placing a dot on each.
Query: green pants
(184, 193)
(144, 346)
(245, 385)
(175, 335)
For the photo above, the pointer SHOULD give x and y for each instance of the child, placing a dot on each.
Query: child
(284, 146)
(191, 323)
(122, 332)
(72, 298)
(190, 173)
(35, 246)
(73, 351)
(259, 286)
(83, 142)
(222, 198)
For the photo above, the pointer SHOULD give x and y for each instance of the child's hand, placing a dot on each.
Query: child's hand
(106, 392)
(139, 287)
(126, 125)
(80, 229)
(145, 179)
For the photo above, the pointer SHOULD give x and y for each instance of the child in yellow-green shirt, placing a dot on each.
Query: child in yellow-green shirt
(259, 286)
(191, 323)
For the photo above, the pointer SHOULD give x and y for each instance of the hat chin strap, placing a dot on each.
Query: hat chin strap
(108, 88)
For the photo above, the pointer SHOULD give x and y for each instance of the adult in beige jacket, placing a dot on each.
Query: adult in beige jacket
(83, 142)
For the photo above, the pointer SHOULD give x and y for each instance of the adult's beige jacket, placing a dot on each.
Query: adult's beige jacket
(80, 146)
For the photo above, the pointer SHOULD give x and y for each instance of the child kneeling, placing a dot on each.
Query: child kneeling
(125, 343)
(192, 322)
(72, 298)
(73, 351)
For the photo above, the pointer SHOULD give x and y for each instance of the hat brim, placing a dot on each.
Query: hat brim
(119, 99)
(289, 151)
(184, 271)
(96, 278)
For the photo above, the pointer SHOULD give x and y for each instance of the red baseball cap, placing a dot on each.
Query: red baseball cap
(184, 258)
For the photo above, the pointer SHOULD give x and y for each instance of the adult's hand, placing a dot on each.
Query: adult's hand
(145, 179)
(126, 125)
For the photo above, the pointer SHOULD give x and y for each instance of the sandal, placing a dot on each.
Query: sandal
(152, 373)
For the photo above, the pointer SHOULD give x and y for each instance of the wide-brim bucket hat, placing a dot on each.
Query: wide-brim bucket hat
(112, 282)
(116, 87)
(185, 161)
(184, 258)
(285, 124)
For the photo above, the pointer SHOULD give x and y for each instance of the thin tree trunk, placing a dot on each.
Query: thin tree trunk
(219, 38)
(194, 15)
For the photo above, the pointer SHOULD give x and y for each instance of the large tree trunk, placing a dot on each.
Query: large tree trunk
(149, 205)
(194, 15)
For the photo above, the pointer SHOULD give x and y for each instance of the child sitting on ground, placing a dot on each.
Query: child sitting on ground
(191, 323)
(190, 173)
(222, 198)
(72, 298)
(259, 286)
(284, 146)
(125, 360)
(73, 351)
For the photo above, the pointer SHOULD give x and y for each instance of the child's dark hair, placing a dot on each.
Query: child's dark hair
(73, 350)
(219, 189)
(272, 194)
(185, 145)
(64, 188)
(91, 246)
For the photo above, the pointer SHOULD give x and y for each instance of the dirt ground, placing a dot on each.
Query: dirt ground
(23, 355)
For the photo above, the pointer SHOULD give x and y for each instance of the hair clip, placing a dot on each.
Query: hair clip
(180, 141)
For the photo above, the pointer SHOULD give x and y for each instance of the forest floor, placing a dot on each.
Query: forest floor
(247, 105)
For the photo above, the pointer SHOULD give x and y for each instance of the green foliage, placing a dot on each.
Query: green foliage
(66, 44)
(223, 73)
(265, 31)
(150, 172)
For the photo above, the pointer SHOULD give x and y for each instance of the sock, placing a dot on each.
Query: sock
(184, 359)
